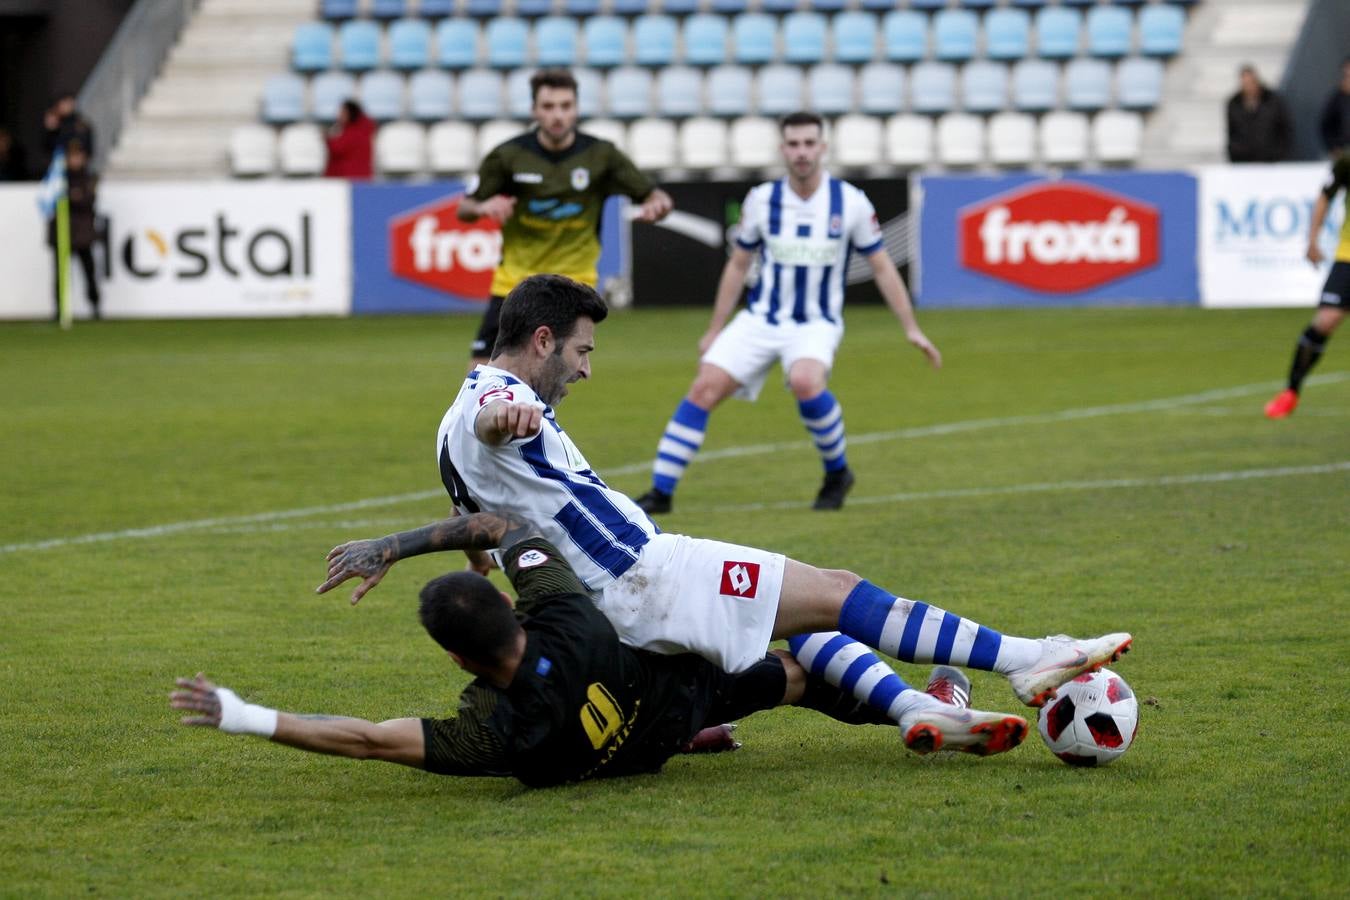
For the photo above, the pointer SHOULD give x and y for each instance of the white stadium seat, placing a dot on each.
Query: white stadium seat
(450, 148)
(652, 143)
(400, 148)
(301, 150)
(1064, 138)
(960, 139)
(611, 130)
(1117, 136)
(909, 140)
(754, 143)
(703, 143)
(494, 132)
(1011, 139)
(253, 151)
(857, 141)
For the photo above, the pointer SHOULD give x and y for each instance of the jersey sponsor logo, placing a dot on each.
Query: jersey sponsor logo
(554, 209)
(798, 252)
(1059, 238)
(497, 394)
(528, 178)
(581, 179)
(430, 246)
(531, 558)
(740, 579)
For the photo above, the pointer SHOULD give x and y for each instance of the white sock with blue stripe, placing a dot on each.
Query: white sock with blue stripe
(850, 666)
(681, 440)
(913, 631)
(824, 418)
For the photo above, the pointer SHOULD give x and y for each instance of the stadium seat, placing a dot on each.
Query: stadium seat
(1057, 32)
(555, 41)
(301, 150)
(359, 45)
(1007, 33)
(327, 91)
(1087, 84)
(519, 102)
(779, 89)
(1139, 83)
(828, 6)
(678, 7)
(728, 7)
(904, 36)
(1064, 138)
(857, 142)
(1035, 85)
(400, 148)
(881, 89)
(984, 86)
(253, 151)
(435, 9)
(754, 39)
(580, 9)
(754, 143)
(778, 7)
(927, 4)
(431, 95)
(909, 140)
(335, 10)
(1109, 31)
(483, 9)
(1034, 4)
(456, 43)
(388, 9)
(590, 92)
(854, 37)
(283, 99)
(879, 6)
(450, 148)
(494, 133)
(954, 34)
(1011, 139)
(654, 39)
(629, 91)
(409, 44)
(381, 95)
(705, 40)
(1117, 136)
(804, 38)
(829, 89)
(533, 9)
(703, 143)
(606, 40)
(652, 143)
(960, 139)
(628, 7)
(932, 87)
(611, 130)
(312, 49)
(679, 92)
(507, 43)
(978, 4)
(729, 91)
(1160, 30)
(479, 95)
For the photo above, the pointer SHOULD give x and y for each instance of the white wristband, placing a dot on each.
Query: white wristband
(238, 717)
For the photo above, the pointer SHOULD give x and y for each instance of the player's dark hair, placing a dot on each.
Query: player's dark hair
(800, 118)
(551, 78)
(552, 300)
(466, 615)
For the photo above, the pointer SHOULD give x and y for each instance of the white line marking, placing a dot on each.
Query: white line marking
(1067, 415)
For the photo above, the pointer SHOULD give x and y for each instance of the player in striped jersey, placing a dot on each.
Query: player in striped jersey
(802, 229)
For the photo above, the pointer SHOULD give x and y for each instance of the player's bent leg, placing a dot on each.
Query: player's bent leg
(684, 436)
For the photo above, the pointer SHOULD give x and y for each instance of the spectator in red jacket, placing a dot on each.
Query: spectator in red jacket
(349, 143)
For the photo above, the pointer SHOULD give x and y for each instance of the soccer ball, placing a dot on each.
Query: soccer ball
(1092, 719)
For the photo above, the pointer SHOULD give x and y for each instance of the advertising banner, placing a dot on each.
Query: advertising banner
(1031, 240)
(26, 260)
(1254, 224)
(412, 254)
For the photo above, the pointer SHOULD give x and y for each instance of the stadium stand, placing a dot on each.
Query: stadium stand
(652, 143)
(400, 149)
(253, 151)
(1012, 139)
(780, 89)
(705, 40)
(359, 45)
(283, 99)
(431, 95)
(327, 92)
(1064, 138)
(479, 94)
(456, 43)
(301, 150)
(611, 130)
(881, 86)
(654, 39)
(804, 38)
(729, 91)
(1116, 136)
(829, 89)
(754, 39)
(960, 139)
(606, 39)
(629, 92)
(450, 148)
(904, 34)
(679, 92)
(703, 143)
(409, 44)
(754, 143)
(857, 141)
(909, 140)
(380, 93)
(555, 41)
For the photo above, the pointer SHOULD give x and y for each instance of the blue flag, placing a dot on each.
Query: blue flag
(53, 185)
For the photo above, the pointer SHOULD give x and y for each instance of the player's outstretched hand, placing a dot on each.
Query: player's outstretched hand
(199, 696)
(367, 560)
(1314, 254)
(929, 349)
(498, 208)
(655, 208)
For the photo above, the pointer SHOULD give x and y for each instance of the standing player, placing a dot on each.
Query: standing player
(804, 228)
(1335, 293)
(547, 189)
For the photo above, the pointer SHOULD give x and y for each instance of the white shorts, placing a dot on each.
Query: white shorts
(748, 347)
(689, 595)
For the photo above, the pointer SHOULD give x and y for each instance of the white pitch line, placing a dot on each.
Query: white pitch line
(1066, 415)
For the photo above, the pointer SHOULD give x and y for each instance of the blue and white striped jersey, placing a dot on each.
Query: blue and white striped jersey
(544, 479)
(804, 246)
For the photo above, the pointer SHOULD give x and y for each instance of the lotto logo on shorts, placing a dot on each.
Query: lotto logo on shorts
(740, 579)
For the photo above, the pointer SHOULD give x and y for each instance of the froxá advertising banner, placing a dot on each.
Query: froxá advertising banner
(1254, 223)
(412, 254)
(1032, 240)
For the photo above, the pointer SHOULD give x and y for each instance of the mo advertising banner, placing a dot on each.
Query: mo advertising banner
(1032, 240)
(1254, 222)
(412, 254)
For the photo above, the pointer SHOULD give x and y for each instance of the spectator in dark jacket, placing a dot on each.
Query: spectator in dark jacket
(1259, 128)
(349, 143)
(1336, 115)
(62, 124)
(80, 187)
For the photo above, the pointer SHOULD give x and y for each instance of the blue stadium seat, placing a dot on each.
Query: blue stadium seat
(1161, 29)
(480, 95)
(779, 89)
(855, 37)
(705, 40)
(590, 92)
(312, 50)
(754, 39)
(409, 44)
(283, 99)
(388, 9)
(1078, 2)
(679, 92)
(878, 5)
(932, 87)
(1109, 31)
(1035, 85)
(456, 43)
(829, 89)
(436, 9)
(1007, 33)
(954, 34)
(728, 7)
(555, 41)
(654, 40)
(1087, 84)
(431, 95)
(729, 89)
(1057, 31)
(581, 8)
(628, 7)
(927, 4)
(483, 9)
(881, 89)
(1139, 83)
(804, 37)
(678, 7)
(778, 7)
(381, 95)
(519, 101)
(629, 90)
(336, 10)
(359, 45)
(1032, 4)
(904, 35)
(984, 86)
(978, 4)
(828, 6)
(533, 9)
(507, 41)
(327, 91)
(606, 41)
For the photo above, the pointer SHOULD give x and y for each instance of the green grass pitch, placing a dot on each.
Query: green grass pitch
(170, 491)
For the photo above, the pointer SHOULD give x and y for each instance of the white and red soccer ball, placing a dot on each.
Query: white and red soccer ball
(1092, 720)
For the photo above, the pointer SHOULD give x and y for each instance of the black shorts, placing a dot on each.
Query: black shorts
(483, 342)
(1336, 291)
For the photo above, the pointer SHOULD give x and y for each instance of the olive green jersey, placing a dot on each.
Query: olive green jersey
(559, 199)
